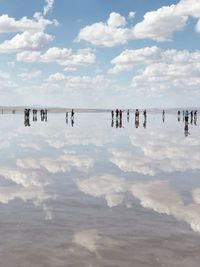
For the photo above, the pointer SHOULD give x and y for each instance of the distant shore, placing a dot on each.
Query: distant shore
(20, 109)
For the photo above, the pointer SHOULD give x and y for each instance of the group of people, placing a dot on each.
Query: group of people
(188, 117)
(27, 113)
(118, 114)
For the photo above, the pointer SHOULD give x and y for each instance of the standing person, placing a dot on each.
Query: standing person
(186, 116)
(72, 114)
(179, 115)
(112, 114)
(145, 118)
(117, 113)
(163, 115)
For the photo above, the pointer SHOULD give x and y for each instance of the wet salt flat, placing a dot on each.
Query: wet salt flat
(94, 195)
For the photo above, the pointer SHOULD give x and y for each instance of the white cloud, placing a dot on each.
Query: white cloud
(131, 15)
(159, 70)
(25, 42)
(116, 20)
(158, 25)
(82, 82)
(106, 34)
(37, 24)
(48, 6)
(62, 56)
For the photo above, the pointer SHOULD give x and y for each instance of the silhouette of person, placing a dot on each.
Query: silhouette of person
(72, 114)
(186, 116)
(117, 113)
(112, 114)
(137, 118)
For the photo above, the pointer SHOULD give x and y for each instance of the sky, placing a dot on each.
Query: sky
(100, 53)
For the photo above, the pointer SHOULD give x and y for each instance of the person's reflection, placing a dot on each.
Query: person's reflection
(72, 121)
(186, 129)
(112, 123)
(117, 123)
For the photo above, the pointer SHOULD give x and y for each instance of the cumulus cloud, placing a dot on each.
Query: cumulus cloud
(154, 195)
(82, 82)
(37, 24)
(107, 34)
(62, 56)
(158, 25)
(26, 41)
(160, 70)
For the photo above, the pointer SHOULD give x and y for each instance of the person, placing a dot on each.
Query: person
(120, 114)
(179, 115)
(72, 113)
(112, 114)
(117, 113)
(137, 114)
(186, 116)
(163, 115)
(195, 117)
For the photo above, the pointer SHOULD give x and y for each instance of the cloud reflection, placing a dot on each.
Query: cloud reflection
(155, 195)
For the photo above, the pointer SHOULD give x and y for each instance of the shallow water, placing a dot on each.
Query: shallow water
(97, 195)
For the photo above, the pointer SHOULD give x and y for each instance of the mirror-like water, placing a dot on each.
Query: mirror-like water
(100, 193)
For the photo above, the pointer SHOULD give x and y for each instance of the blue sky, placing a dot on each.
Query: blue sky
(100, 53)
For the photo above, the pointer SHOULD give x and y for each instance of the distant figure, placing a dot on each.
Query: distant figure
(27, 117)
(186, 116)
(179, 115)
(163, 115)
(195, 117)
(72, 114)
(117, 113)
(191, 119)
(120, 114)
(34, 115)
(137, 118)
(145, 118)
(128, 114)
(112, 114)
(66, 116)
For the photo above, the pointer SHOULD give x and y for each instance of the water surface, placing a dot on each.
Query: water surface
(99, 193)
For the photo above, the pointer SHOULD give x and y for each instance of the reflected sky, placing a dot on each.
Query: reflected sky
(101, 193)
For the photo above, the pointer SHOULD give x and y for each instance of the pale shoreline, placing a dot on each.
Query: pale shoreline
(20, 109)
